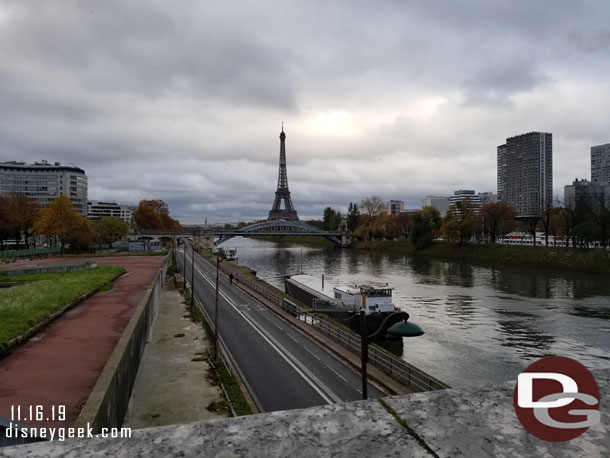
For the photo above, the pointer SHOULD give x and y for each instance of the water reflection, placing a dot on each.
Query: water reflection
(527, 341)
(590, 312)
(461, 308)
(395, 346)
(534, 283)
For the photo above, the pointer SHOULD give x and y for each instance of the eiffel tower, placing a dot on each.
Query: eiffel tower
(282, 192)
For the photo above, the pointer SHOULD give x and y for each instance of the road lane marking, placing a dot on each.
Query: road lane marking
(312, 353)
(338, 375)
(326, 393)
(371, 383)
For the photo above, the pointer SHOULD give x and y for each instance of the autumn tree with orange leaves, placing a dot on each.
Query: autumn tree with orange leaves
(17, 215)
(63, 223)
(154, 214)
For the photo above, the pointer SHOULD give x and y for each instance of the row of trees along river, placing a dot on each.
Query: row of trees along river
(482, 323)
(581, 223)
(22, 218)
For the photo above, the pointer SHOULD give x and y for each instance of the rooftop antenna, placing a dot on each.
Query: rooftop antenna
(282, 126)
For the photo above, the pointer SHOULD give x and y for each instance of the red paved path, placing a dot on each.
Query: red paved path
(63, 366)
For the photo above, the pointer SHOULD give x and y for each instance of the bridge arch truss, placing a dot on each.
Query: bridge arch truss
(279, 228)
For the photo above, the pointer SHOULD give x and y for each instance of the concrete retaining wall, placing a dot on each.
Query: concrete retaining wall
(107, 404)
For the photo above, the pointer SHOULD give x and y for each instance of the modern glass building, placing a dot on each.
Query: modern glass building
(45, 182)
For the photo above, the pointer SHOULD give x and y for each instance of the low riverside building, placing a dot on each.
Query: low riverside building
(45, 182)
(440, 203)
(465, 195)
(488, 197)
(97, 210)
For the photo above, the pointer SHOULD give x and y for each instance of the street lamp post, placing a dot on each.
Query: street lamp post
(184, 263)
(193, 277)
(403, 328)
(218, 260)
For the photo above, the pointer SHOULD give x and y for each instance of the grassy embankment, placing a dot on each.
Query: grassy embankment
(24, 306)
(539, 256)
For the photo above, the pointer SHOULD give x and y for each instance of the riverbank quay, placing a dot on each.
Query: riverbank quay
(396, 376)
(172, 385)
(477, 422)
(589, 260)
(60, 365)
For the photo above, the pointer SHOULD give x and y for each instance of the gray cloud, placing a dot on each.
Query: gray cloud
(183, 100)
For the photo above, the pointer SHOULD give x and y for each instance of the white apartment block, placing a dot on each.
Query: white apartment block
(45, 182)
(97, 210)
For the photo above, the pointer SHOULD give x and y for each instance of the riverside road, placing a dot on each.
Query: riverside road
(283, 368)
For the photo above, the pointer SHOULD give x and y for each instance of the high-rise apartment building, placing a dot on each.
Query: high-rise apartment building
(525, 173)
(45, 182)
(396, 207)
(600, 164)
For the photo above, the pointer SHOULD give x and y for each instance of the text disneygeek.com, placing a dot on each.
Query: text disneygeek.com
(62, 433)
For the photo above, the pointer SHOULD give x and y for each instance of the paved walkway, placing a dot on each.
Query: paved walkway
(60, 364)
(171, 387)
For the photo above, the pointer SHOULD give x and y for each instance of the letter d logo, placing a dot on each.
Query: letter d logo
(526, 392)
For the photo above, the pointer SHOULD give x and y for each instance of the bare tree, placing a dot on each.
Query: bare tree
(372, 207)
(497, 219)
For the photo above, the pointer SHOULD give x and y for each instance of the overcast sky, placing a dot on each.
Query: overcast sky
(183, 100)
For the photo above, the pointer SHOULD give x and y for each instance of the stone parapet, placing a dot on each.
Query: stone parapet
(479, 422)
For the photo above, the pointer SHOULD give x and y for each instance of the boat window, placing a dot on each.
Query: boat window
(380, 293)
(337, 295)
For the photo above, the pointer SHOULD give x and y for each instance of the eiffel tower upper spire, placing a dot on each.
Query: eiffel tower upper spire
(282, 192)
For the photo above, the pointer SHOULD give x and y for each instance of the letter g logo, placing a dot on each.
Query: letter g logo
(560, 386)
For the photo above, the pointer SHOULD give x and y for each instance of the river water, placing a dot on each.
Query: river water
(483, 324)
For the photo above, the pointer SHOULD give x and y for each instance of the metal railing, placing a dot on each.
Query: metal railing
(406, 373)
(415, 378)
(28, 252)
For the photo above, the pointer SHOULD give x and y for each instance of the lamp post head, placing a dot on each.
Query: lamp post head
(406, 329)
